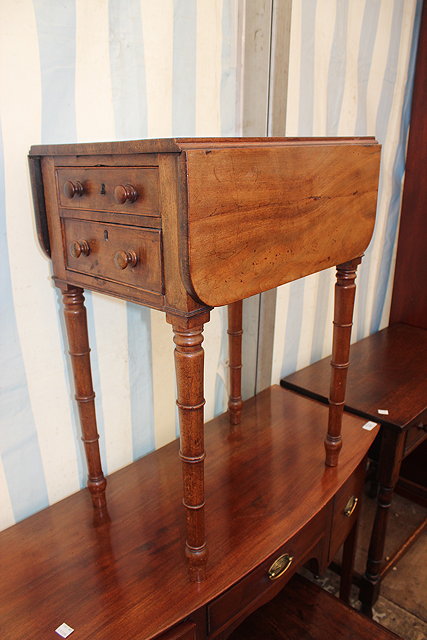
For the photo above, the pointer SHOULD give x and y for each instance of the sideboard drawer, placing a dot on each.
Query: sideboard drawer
(184, 631)
(245, 596)
(128, 255)
(119, 189)
(346, 508)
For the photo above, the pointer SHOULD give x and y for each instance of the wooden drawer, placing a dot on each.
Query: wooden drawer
(416, 433)
(128, 255)
(344, 516)
(256, 588)
(97, 189)
(184, 631)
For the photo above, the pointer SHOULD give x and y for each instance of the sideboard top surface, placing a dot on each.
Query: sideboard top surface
(127, 576)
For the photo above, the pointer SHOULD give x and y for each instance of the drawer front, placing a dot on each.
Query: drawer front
(185, 631)
(346, 508)
(128, 255)
(242, 598)
(132, 190)
(416, 433)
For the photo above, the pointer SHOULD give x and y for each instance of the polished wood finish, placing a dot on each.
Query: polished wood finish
(342, 519)
(76, 324)
(279, 221)
(389, 372)
(409, 302)
(127, 576)
(189, 359)
(39, 203)
(72, 189)
(304, 611)
(107, 244)
(235, 333)
(101, 189)
(212, 193)
(345, 290)
(177, 145)
(125, 193)
(186, 631)
(181, 226)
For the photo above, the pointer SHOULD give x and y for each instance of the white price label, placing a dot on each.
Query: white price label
(383, 412)
(369, 426)
(64, 630)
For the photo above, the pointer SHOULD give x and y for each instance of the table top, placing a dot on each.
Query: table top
(265, 479)
(388, 372)
(177, 145)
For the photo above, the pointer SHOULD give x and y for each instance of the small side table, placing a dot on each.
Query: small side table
(387, 384)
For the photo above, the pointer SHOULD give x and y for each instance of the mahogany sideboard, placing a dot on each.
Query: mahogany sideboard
(183, 226)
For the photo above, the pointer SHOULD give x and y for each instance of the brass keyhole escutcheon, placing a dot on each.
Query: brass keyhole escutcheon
(350, 506)
(280, 566)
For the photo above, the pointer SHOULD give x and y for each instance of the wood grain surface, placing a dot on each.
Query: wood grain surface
(126, 575)
(259, 217)
(173, 145)
(388, 370)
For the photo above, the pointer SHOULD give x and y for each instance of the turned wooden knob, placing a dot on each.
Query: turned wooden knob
(72, 189)
(123, 259)
(79, 248)
(125, 193)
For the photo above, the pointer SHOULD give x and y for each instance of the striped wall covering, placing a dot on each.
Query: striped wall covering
(82, 70)
(350, 73)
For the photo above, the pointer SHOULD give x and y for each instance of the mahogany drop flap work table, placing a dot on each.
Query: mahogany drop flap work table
(183, 226)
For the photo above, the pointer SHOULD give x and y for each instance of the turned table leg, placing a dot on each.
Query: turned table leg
(345, 290)
(235, 333)
(189, 360)
(390, 459)
(78, 341)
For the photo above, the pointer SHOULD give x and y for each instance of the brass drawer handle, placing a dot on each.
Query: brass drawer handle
(72, 189)
(350, 506)
(79, 248)
(125, 193)
(124, 259)
(280, 566)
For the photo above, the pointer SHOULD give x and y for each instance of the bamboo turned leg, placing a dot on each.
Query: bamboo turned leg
(235, 333)
(76, 324)
(345, 290)
(189, 359)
